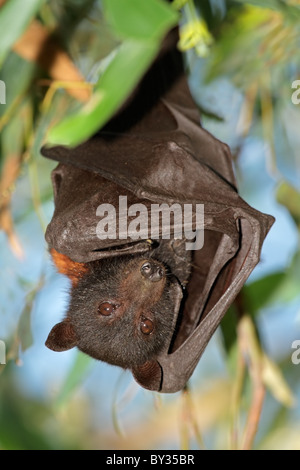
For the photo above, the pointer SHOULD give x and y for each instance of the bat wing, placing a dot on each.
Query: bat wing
(155, 151)
(182, 164)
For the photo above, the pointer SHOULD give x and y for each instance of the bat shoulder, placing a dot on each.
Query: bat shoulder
(64, 265)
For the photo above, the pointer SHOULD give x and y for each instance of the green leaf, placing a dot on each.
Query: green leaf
(15, 16)
(119, 79)
(24, 328)
(276, 383)
(289, 197)
(260, 293)
(24, 325)
(277, 287)
(272, 4)
(178, 4)
(228, 328)
(290, 11)
(142, 20)
(142, 25)
(15, 87)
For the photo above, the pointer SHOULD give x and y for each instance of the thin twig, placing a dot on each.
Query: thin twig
(267, 115)
(253, 354)
(236, 399)
(66, 85)
(188, 420)
(254, 414)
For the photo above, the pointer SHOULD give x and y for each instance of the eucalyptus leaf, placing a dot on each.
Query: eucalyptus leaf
(15, 87)
(276, 383)
(228, 328)
(135, 19)
(24, 325)
(289, 197)
(130, 62)
(292, 12)
(18, 14)
(261, 293)
(143, 25)
(272, 4)
(277, 287)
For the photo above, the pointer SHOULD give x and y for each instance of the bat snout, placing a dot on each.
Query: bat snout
(152, 271)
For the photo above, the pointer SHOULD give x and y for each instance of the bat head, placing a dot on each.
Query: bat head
(121, 312)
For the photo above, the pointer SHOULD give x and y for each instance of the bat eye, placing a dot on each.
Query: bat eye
(106, 309)
(146, 326)
(146, 268)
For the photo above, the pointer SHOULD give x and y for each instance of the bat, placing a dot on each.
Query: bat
(149, 298)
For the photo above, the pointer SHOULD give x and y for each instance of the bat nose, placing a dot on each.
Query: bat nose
(152, 271)
(158, 274)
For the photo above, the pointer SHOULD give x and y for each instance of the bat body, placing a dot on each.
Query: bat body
(148, 303)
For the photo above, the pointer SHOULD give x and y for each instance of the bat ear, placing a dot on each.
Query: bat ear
(149, 375)
(62, 337)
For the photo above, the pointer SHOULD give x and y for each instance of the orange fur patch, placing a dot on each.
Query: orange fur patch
(69, 268)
